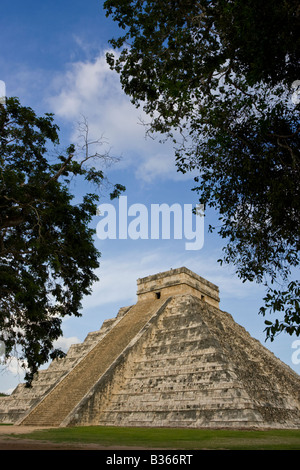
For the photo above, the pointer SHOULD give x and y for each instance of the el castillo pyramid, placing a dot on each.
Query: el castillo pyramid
(173, 359)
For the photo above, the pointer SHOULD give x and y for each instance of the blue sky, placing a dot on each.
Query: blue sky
(53, 58)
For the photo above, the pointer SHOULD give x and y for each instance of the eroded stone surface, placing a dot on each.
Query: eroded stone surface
(170, 360)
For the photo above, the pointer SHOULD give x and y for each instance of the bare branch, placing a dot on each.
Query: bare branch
(85, 147)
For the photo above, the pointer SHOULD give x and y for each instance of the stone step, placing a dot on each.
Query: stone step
(181, 407)
(207, 372)
(67, 394)
(180, 344)
(182, 332)
(206, 417)
(197, 387)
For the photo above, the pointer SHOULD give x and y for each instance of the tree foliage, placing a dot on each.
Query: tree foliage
(216, 77)
(47, 253)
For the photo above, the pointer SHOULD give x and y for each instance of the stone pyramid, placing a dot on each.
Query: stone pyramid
(173, 359)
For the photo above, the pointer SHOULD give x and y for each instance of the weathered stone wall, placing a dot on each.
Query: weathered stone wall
(166, 361)
(177, 281)
(18, 404)
(193, 366)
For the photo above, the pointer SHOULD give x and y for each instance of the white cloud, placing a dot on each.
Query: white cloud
(13, 367)
(65, 343)
(158, 166)
(91, 89)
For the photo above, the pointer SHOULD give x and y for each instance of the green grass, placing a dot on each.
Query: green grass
(165, 438)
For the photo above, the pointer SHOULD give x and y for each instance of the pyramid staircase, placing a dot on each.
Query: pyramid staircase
(22, 399)
(62, 399)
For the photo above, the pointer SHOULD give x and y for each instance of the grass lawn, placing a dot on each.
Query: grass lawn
(165, 438)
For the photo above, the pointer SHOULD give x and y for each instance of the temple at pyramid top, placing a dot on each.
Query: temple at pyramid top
(177, 281)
